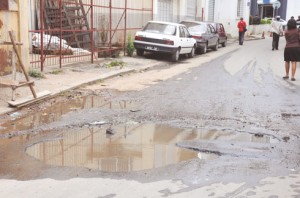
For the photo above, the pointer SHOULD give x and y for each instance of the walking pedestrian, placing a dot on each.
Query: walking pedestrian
(242, 29)
(277, 30)
(292, 49)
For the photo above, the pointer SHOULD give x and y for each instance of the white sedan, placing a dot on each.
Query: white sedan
(164, 37)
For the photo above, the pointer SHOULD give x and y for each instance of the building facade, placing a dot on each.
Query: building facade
(227, 12)
(12, 15)
(177, 10)
(287, 9)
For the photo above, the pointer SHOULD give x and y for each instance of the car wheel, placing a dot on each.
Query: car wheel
(175, 55)
(216, 46)
(204, 50)
(140, 52)
(224, 44)
(191, 55)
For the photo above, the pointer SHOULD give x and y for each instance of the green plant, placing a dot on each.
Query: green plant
(129, 46)
(56, 71)
(103, 26)
(265, 21)
(115, 64)
(35, 74)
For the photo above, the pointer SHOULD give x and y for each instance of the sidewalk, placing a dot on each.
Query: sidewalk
(72, 76)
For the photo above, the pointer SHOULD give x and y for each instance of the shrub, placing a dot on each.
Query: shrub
(115, 64)
(129, 46)
(36, 74)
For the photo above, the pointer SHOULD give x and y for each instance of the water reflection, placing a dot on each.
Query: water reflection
(56, 111)
(132, 148)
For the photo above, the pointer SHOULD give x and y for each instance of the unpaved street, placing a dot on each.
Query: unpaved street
(223, 124)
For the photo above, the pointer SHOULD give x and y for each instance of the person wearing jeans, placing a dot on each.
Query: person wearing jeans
(241, 26)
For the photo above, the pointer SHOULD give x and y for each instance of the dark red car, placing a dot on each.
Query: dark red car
(222, 33)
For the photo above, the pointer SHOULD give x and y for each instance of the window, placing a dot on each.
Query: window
(208, 29)
(4, 4)
(211, 10)
(240, 6)
(181, 32)
(186, 32)
(160, 28)
(212, 28)
(165, 10)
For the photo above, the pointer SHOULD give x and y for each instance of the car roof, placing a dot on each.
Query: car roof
(199, 22)
(164, 22)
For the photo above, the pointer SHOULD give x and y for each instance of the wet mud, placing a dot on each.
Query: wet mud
(193, 127)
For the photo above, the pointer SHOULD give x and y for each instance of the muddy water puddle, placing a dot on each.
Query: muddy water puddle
(132, 147)
(54, 112)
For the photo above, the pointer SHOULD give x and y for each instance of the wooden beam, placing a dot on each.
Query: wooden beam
(21, 63)
(8, 82)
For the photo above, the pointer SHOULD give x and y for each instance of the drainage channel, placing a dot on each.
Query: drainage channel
(128, 147)
(54, 112)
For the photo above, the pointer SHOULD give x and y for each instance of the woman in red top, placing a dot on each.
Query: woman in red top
(242, 26)
(292, 48)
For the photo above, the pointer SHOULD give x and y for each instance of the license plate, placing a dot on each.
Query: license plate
(151, 48)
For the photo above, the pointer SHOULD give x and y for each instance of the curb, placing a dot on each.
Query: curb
(89, 81)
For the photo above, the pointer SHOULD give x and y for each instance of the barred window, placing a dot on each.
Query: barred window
(211, 10)
(240, 6)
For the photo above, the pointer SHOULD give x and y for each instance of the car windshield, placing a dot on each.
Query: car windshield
(194, 27)
(160, 28)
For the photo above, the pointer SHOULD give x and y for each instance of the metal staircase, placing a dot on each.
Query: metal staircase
(69, 17)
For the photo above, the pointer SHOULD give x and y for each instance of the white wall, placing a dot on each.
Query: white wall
(293, 9)
(226, 13)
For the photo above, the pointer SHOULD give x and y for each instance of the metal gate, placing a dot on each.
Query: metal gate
(191, 9)
(71, 31)
(165, 10)
(211, 10)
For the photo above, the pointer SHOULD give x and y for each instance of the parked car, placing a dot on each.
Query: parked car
(205, 35)
(165, 37)
(221, 32)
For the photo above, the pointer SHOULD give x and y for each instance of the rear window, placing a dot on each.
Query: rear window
(195, 27)
(160, 28)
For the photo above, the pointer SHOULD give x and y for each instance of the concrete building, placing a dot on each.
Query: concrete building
(287, 9)
(227, 12)
(13, 14)
(177, 10)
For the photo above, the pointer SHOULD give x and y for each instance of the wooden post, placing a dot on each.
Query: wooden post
(11, 35)
(14, 73)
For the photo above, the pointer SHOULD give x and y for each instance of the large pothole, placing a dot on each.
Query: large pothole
(129, 147)
(54, 112)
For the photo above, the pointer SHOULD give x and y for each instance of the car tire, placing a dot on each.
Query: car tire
(216, 46)
(224, 44)
(191, 55)
(140, 52)
(204, 50)
(197, 51)
(175, 55)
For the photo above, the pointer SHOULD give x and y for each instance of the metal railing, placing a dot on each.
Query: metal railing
(71, 31)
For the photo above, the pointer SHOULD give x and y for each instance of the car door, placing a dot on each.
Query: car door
(189, 40)
(209, 35)
(183, 40)
(213, 38)
(221, 31)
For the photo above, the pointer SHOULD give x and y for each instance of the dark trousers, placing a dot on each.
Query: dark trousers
(275, 41)
(241, 37)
